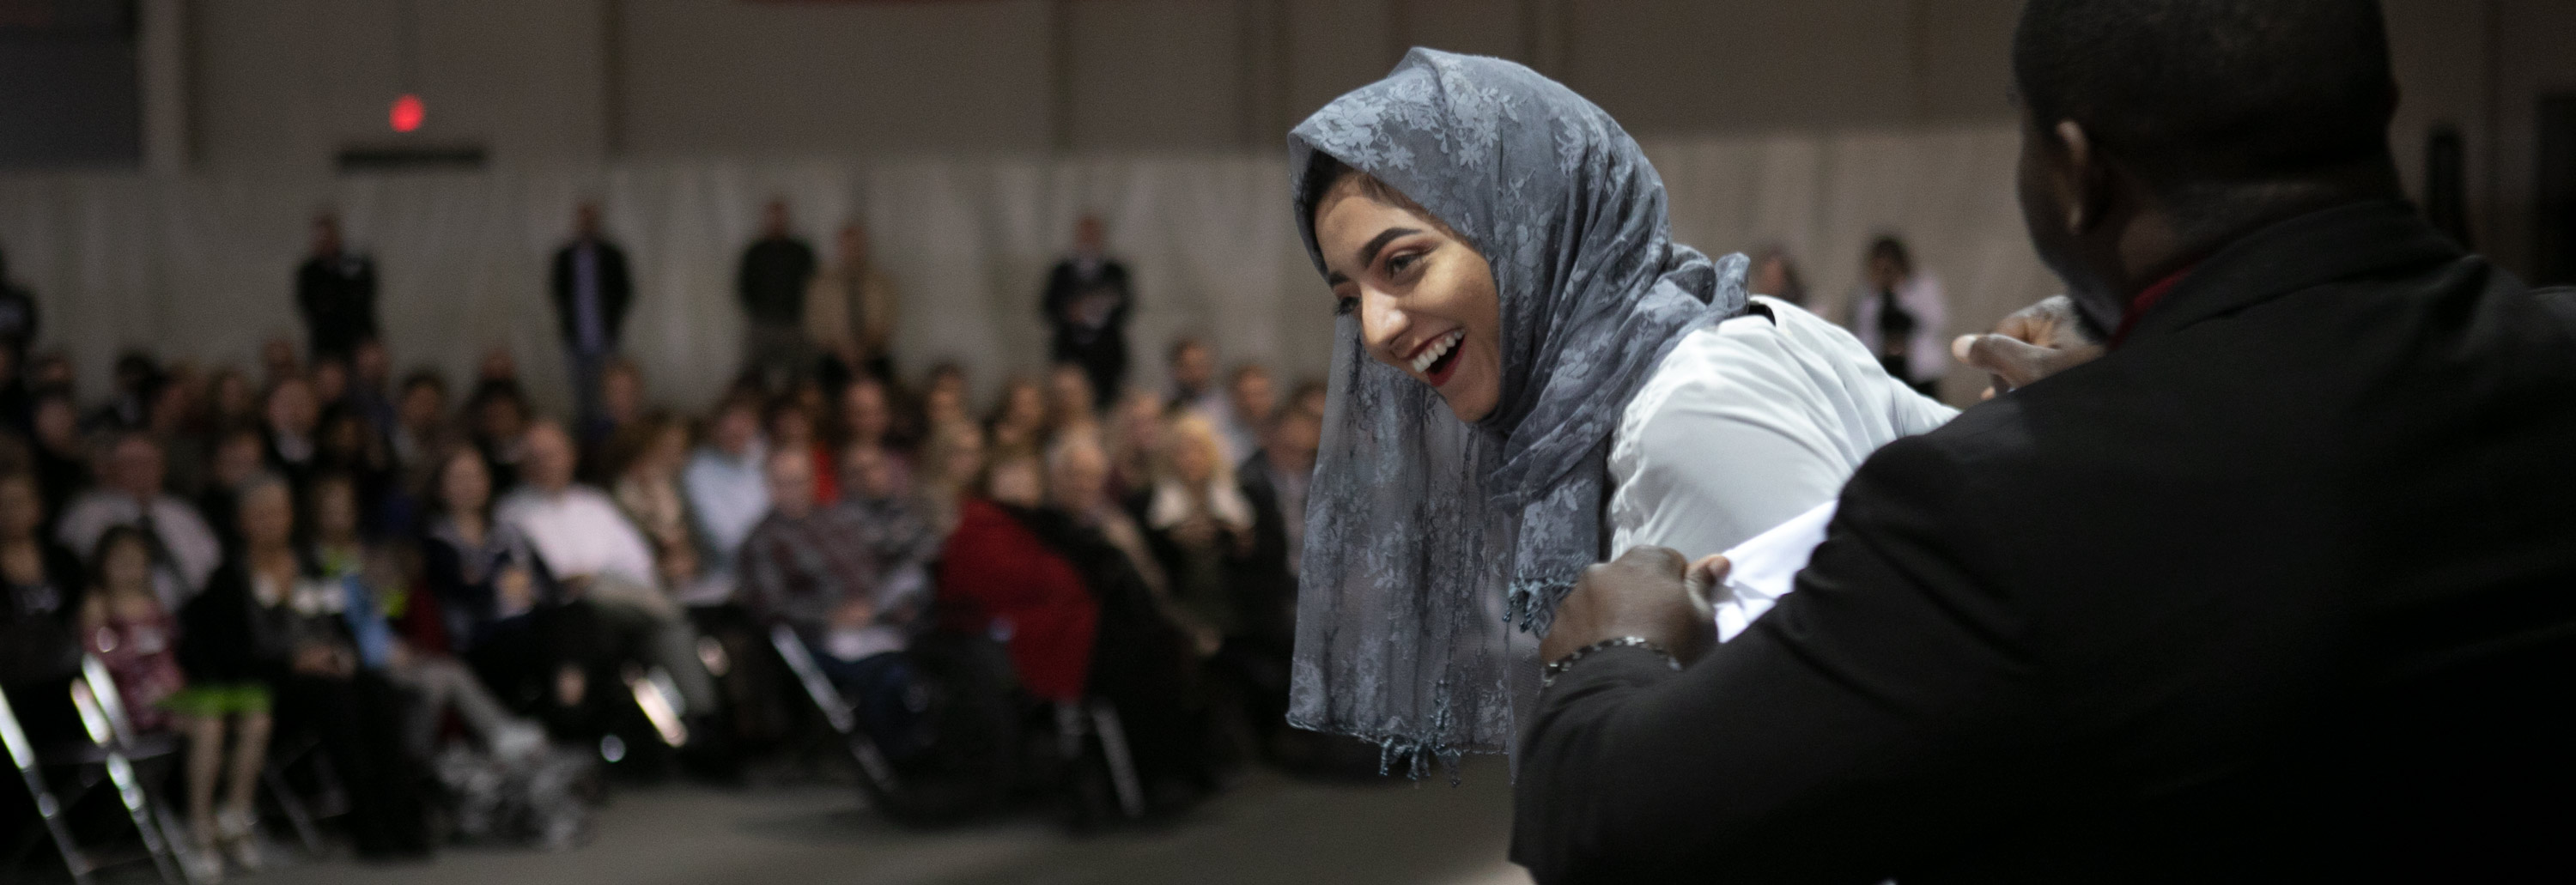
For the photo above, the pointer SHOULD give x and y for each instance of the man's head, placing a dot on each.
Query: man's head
(869, 472)
(774, 220)
(736, 425)
(585, 220)
(1294, 437)
(326, 234)
(549, 459)
(853, 244)
(1252, 395)
(292, 410)
(2156, 131)
(1193, 365)
(135, 467)
(370, 366)
(1090, 235)
(791, 483)
(424, 402)
(1077, 473)
(621, 390)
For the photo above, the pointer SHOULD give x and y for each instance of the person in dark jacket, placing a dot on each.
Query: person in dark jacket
(592, 292)
(776, 269)
(335, 292)
(17, 313)
(2275, 590)
(1088, 299)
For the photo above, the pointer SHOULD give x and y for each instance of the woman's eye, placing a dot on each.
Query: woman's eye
(1396, 266)
(1343, 306)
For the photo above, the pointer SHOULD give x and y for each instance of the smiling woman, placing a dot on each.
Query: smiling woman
(1494, 240)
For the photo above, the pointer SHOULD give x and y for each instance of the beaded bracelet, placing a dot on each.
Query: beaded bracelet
(1556, 668)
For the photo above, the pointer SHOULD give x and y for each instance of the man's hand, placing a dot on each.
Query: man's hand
(2033, 343)
(1646, 593)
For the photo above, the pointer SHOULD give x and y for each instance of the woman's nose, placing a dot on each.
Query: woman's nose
(1381, 322)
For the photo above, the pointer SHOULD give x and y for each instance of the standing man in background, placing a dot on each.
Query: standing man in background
(1087, 302)
(1899, 315)
(850, 311)
(17, 316)
(592, 292)
(335, 290)
(775, 271)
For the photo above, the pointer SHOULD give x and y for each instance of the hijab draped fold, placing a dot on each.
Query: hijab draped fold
(1436, 550)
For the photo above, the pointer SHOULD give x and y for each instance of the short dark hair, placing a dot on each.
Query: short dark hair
(2191, 93)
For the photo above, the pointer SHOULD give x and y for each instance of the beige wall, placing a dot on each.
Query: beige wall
(279, 86)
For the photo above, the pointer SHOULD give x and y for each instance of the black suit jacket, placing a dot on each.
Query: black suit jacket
(337, 296)
(2282, 589)
(616, 291)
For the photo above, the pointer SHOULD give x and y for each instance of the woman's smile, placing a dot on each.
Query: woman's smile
(1424, 298)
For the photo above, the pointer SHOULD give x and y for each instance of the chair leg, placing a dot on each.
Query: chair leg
(1122, 763)
(23, 754)
(297, 815)
(138, 806)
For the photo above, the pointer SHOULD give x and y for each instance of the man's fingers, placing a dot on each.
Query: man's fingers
(2016, 362)
(1705, 576)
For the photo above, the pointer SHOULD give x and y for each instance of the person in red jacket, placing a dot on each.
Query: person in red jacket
(998, 577)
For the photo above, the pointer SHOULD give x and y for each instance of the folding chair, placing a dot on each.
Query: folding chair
(107, 757)
(837, 712)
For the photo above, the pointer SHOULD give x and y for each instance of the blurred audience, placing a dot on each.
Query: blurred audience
(1776, 275)
(1900, 315)
(851, 309)
(1020, 417)
(1250, 401)
(727, 490)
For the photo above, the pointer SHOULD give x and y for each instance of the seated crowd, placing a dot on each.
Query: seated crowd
(325, 562)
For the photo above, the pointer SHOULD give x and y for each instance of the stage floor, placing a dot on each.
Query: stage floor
(1270, 829)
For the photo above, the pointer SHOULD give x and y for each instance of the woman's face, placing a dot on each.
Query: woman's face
(1017, 482)
(335, 511)
(1425, 299)
(465, 485)
(1025, 407)
(127, 565)
(267, 517)
(1193, 458)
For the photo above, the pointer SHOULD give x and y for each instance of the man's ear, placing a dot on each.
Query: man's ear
(2087, 181)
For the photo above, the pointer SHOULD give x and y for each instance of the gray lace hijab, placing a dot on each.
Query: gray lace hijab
(1436, 551)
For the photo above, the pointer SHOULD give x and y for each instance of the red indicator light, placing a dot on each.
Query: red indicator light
(407, 113)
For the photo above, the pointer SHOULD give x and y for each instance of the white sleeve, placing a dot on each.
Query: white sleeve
(1722, 464)
(1766, 568)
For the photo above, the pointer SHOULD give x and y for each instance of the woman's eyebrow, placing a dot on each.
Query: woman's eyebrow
(1368, 253)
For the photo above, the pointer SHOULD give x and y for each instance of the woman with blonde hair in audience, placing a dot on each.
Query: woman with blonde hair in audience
(1199, 523)
(950, 462)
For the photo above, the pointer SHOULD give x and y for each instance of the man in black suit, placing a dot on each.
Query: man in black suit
(592, 292)
(1086, 305)
(335, 290)
(2282, 587)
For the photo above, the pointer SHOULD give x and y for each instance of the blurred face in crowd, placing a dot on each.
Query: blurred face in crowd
(344, 438)
(326, 235)
(291, 410)
(1425, 298)
(1253, 397)
(1193, 367)
(464, 484)
(500, 418)
(21, 509)
(944, 405)
(1293, 440)
(1070, 392)
(1023, 405)
(791, 483)
(497, 365)
(278, 358)
(1016, 482)
(1194, 456)
(865, 408)
(791, 428)
(126, 566)
(550, 460)
(421, 409)
(1078, 476)
(735, 429)
(1090, 235)
(57, 424)
(1884, 270)
(335, 511)
(871, 472)
(621, 393)
(266, 517)
(1771, 276)
(236, 459)
(370, 365)
(135, 467)
(232, 395)
(585, 220)
(961, 452)
(773, 219)
(668, 453)
(1140, 424)
(330, 381)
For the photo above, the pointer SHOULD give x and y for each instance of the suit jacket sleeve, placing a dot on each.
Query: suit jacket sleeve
(1059, 289)
(616, 290)
(1861, 721)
